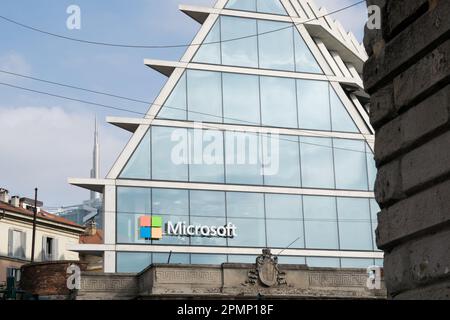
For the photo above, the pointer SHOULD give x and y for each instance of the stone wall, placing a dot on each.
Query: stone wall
(408, 76)
(228, 281)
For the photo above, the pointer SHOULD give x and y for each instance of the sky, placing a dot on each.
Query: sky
(44, 140)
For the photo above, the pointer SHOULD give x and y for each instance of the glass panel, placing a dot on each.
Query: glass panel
(208, 241)
(138, 167)
(282, 233)
(354, 224)
(356, 263)
(241, 259)
(207, 203)
(304, 60)
(215, 259)
(270, 6)
(249, 233)
(204, 96)
(374, 209)
(379, 262)
(170, 201)
(323, 262)
(278, 102)
(242, 52)
(276, 45)
(321, 230)
(209, 51)
(317, 162)
(291, 260)
(243, 160)
(130, 262)
(169, 154)
(341, 120)
(313, 105)
(350, 164)
(133, 200)
(246, 5)
(175, 258)
(371, 168)
(128, 229)
(249, 205)
(175, 105)
(207, 159)
(170, 239)
(241, 99)
(281, 206)
(281, 160)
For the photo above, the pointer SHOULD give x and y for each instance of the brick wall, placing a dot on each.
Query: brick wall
(408, 77)
(47, 278)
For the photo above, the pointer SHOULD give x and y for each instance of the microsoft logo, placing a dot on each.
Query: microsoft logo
(150, 228)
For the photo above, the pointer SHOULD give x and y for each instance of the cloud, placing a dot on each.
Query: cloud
(13, 62)
(42, 147)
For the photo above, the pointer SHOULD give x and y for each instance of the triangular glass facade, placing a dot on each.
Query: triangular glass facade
(250, 177)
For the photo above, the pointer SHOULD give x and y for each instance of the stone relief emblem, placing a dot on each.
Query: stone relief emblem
(267, 271)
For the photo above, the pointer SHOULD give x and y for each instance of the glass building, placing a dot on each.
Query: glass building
(260, 128)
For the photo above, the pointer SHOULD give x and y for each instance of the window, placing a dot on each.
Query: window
(282, 233)
(304, 60)
(241, 52)
(263, 6)
(270, 6)
(248, 205)
(175, 106)
(357, 263)
(14, 272)
(313, 105)
(138, 167)
(170, 153)
(281, 160)
(278, 102)
(204, 96)
(16, 244)
(49, 249)
(321, 228)
(317, 162)
(371, 167)
(323, 262)
(214, 259)
(207, 158)
(170, 201)
(172, 258)
(243, 158)
(276, 46)
(241, 99)
(246, 5)
(250, 232)
(341, 120)
(282, 206)
(209, 51)
(350, 164)
(130, 262)
(354, 224)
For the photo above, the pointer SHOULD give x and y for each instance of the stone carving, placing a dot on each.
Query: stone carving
(267, 271)
(188, 276)
(332, 279)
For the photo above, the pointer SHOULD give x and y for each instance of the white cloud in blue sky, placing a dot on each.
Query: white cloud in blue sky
(45, 139)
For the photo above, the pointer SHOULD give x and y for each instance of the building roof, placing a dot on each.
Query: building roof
(41, 215)
(97, 238)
